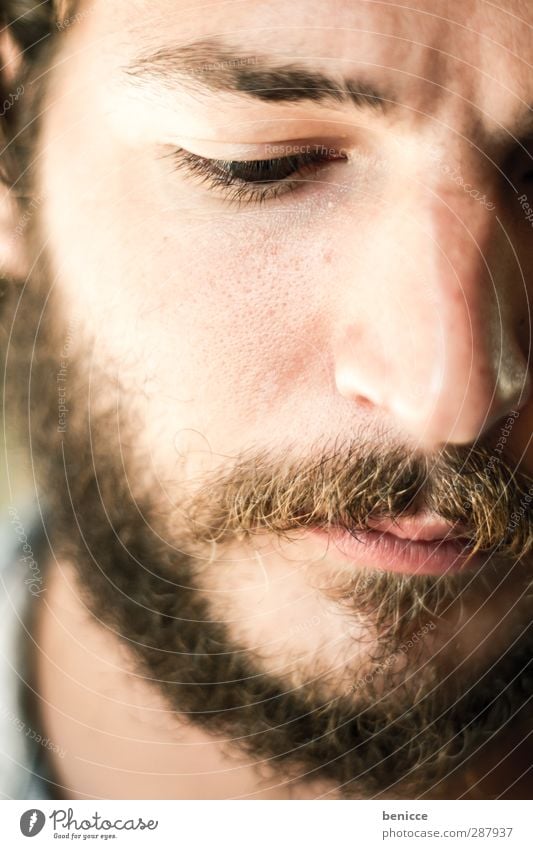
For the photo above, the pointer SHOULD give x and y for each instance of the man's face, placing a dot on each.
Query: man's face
(386, 296)
(283, 232)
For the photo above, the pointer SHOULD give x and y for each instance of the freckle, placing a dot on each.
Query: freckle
(328, 256)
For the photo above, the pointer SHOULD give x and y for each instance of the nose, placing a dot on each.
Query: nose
(429, 332)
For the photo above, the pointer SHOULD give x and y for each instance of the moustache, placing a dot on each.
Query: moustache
(351, 484)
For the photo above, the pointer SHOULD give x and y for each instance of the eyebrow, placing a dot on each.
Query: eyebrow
(218, 67)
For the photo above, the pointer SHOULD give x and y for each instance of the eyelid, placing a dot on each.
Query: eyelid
(216, 174)
(265, 150)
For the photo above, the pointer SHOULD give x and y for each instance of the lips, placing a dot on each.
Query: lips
(424, 527)
(422, 544)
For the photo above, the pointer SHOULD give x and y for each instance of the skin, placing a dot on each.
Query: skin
(382, 300)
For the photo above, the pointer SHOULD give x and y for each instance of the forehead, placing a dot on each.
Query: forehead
(334, 29)
(433, 55)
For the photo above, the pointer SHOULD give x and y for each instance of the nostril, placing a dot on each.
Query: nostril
(362, 401)
(519, 166)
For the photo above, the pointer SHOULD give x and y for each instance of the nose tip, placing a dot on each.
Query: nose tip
(434, 338)
(455, 411)
(442, 397)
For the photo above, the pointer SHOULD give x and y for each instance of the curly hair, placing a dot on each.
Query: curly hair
(32, 24)
(29, 22)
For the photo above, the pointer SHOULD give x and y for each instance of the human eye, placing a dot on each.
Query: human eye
(258, 180)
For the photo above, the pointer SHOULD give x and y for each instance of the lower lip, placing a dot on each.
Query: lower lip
(387, 553)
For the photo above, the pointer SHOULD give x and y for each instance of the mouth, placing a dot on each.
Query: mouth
(421, 544)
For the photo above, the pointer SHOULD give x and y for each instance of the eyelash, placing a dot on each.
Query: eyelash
(258, 180)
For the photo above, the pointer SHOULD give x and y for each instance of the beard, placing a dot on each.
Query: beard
(403, 715)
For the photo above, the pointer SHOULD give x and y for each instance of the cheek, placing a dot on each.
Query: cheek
(217, 319)
(214, 320)
(240, 320)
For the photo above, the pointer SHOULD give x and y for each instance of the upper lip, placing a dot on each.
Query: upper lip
(422, 527)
